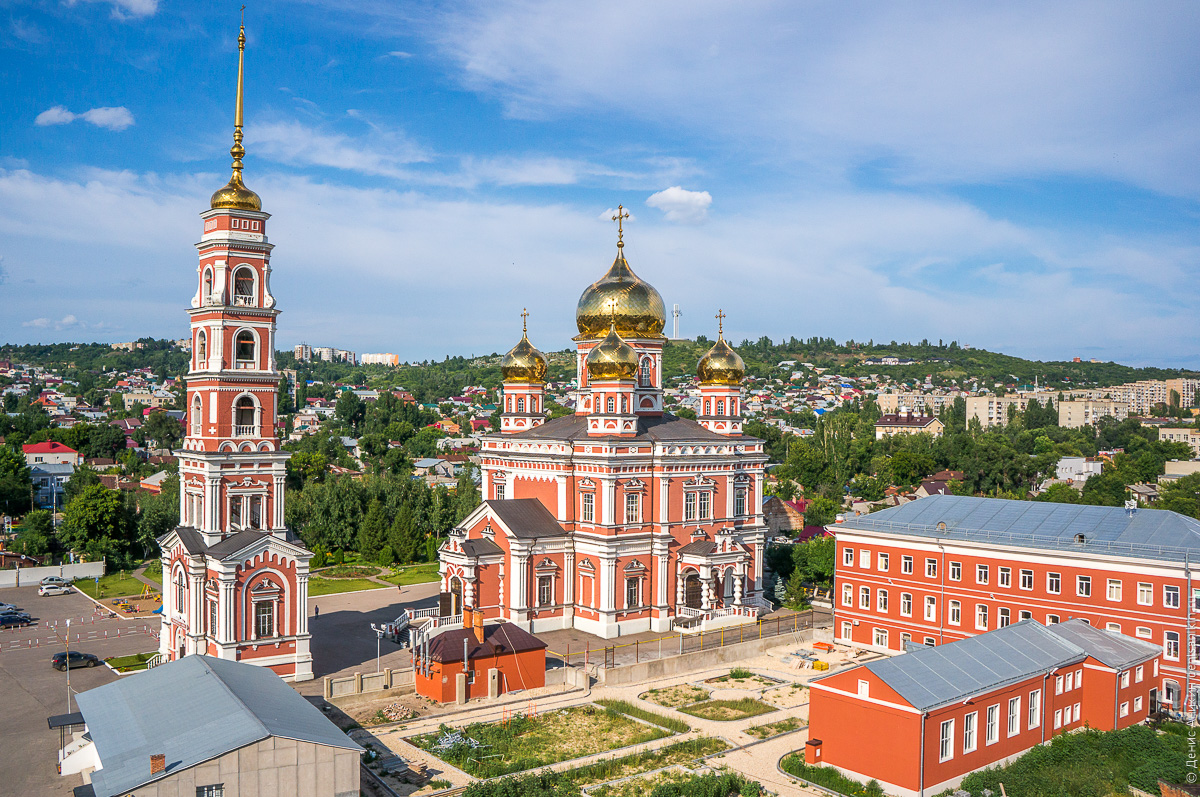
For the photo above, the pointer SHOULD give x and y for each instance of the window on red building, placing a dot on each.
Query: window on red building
(1027, 579)
(931, 568)
(969, 732)
(955, 571)
(981, 616)
(1002, 617)
(1053, 583)
(1171, 597)
(930, 609)
(981, 574)
(1083, 586)
(905, 604)
(955, 613)
(1004, 577)
(906, 565)
(992, 734)
(1014, 715)
(946, 744)
(882, 600)
(1145, 594)
(1114, 589)
(1035, 709)
(864, 597)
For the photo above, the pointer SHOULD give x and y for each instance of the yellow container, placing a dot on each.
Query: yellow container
(820, 665)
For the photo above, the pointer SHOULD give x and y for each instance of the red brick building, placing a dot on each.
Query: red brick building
(502, 652)
(947, 567)
(947, 711)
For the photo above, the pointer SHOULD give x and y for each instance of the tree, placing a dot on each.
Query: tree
(372, 532)
(1182, 496)
(1105, 489)
(36, 534)
(349, 409)
(104, 442)
(403, 537)
(814, 560)
(424, 443)
(98, 525)
(15, 482)
(466, 493)
(821, 511)
(165, 431)
(157, 514)
(1061, 494)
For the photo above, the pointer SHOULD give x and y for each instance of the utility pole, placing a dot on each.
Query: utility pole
(675, 313)
(67, 664)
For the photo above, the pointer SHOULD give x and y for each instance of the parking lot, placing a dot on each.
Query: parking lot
(31, 691)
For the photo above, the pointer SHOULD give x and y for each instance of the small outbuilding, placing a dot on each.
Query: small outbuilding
(499, 658)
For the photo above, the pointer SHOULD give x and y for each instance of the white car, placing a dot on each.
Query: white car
(55, 580)
(54, 589)
(8, 608)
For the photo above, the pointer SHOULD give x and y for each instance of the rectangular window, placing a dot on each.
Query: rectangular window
(864, 559)
(632, 588)
(1137, 704)
(904, 640)
(689, 509)
(1014, 715)
(1145, 594)
(884, 560)
(1125, 680)
(993, 724)
(1171, 597)
(1002, 618)
(1058, 684)
(905, 604)
(946, 747)
(1077, 714)
(931, 568)
(1171, 645)
(848, 557)
(1024, 615)
(930, 609)
(1053, 583)
(981, 574)
(705, 505)
(633, 505)
(955, 613)
(1051, 619)
(981, 616)
(499, 492)
(864, 688)
(969, 732)
(847, 595)
(1138, 674)
(545, 590)
(1035, 708)
(589, 508)
(906, 565)
(881, 601)
(1143, 632)
(881, 637)
(739, 503)
(1070, 681)
(264, 619)
(1083, 586)
(1114, 589)
(864, 597)
(217, 789)
(212, 618)
(1004, 576)
(955, 573)
(1058, 718)
(1026, 580)
(929, 642)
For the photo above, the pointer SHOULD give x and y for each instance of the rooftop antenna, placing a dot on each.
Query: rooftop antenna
(675, 313)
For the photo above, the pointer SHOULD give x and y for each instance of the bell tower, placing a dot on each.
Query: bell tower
(232, 469)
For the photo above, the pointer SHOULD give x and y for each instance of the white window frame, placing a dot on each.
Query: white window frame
(1137, 703)
(1083, 586)
(982, 574)
(1034, 712)
(955, 613)
(881, 600)
(864, 558)
(931, 568)
(1125, 679)
(992, 730)
(847, 594)
(864, 597)
(882, 561)
(1026, 582)
(1004, 576)
(1170, 597)
(946, 742)
(954, 572)
(970, 732)
(981, 617)
(633, 508)
(881, 634)
(587, 511)
(1014, 716)
(1145, 594)
(1139, 673)
(1003, 617)
(906, 604)
(1054, 583)
(906, 564)
(1113, 589)
(1057, 718)
(930, 609)
(1171, 645)
(848, 556)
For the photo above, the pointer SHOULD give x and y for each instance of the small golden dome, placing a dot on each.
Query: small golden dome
(622, 297)
(524, 363)
(235, 194)
(722, 365)
(612, 359)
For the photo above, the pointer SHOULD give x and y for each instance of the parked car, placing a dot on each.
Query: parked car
(14, 620)
(54, 580)
(54, 589)
(8, 607)
(73, 659)
(13, 613)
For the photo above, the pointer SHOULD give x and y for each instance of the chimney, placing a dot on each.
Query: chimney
(468, 613)
(158, 763)
(478, 626)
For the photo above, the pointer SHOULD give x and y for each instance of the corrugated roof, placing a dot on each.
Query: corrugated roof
(526, 517)
(192, 710)
(1113, 650)
(928, 677)
(1144, 533)
(481, 547)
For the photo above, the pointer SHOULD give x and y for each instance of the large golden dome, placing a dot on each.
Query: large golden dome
(722, 365)
(620, 297)
(235, 194)
(612, 359)
(524, 363)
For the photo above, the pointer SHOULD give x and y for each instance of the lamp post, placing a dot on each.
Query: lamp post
(378, 637)
(67, 664)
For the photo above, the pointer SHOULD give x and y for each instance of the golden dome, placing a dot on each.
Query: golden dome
(523, 363)
(235, 194)
(722, 365)
(612, 359)
(622, 297)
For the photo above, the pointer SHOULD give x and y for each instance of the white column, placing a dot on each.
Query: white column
(729, 488)
(739, 578)
(664, 502)
(562, 497)
(277, 502)
(706, 589)
(302, 603)
(226, 611)
(608, 497)
(212, 510)
(608, 583)
(569, 578)
(679, 591)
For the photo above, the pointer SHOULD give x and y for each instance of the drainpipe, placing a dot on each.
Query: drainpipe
(942, 606)
(1045, 695)
(1116, 699)
(921, 776)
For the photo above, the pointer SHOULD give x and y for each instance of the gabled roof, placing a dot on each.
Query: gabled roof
(1144, 534)
(236, 542)
(228, 705)
(698, 548)
(50, 447)
(480, 547)
(498, 639)
(1112, 650)
(527, 518)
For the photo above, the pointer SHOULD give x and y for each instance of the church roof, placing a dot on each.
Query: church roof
(699, 548)
(498, 639)
(236, 542)
(527, 518)
(193, 541)
(480, 547)
(664, 428)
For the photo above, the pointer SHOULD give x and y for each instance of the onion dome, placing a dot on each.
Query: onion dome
(721, 365)
(612, 359)
(620, 297)
(235, 194)
(524, 363)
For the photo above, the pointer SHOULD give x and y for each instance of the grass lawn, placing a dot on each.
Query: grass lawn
(629, 709)
(414, 574)
(728, 710)
(130, 663)
(775, 728)
(112, 585)
(672, 696)
(528, 743)
(329, 586)
(627, 766)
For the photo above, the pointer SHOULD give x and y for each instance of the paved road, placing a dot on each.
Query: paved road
(31, 691)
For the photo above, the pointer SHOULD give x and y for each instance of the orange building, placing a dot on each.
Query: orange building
(499, 657)
(235, 578)
(620, 517)
(949, 710)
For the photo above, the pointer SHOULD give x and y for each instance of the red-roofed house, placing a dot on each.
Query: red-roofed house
(480, 424)
(50, 453)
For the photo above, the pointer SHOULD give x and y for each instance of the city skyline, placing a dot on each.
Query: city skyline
(1020, 179)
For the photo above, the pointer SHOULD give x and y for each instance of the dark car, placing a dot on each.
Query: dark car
(77, 659)
(14, 620)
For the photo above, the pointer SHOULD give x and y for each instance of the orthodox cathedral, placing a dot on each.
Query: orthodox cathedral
(235, 580)
(621, 517)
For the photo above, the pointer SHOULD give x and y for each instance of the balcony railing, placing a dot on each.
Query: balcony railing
(243, 301)
(245, 431)
(248, 365)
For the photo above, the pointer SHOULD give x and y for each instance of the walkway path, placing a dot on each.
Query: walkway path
(140, 575)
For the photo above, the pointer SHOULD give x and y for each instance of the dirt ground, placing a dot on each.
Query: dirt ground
(673, 696)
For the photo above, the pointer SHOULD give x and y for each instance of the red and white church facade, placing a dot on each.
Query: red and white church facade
(235, 580)
(620, 517)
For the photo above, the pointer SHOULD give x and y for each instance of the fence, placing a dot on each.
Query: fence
(681, 644)
(51, 637)
(30, 576)
(364, 683)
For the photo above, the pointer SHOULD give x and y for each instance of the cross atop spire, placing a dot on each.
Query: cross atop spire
(622, 214)
(720, 316)
(237, 150)
(524, 320)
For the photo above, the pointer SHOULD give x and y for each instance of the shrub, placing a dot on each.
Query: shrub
(830, 778)
(709, 786)
(740, 674)
(386, 556)
(339, 557)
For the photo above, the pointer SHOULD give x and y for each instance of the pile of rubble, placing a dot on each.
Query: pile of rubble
(396, 712)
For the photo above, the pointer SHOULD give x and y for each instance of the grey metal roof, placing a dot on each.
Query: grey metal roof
(192, 541)
(236, 542)
(527, 518)
(1113, 650)
(192, 710)
(699, 547)
(665, 428)
(481, 547)
(928, 677)
(1143, 534)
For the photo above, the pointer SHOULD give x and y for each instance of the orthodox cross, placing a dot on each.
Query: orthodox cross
(622, 214)
(720, 316)
(524, 318)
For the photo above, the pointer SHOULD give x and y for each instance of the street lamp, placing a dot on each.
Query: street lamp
(378, 637)
(67, 664)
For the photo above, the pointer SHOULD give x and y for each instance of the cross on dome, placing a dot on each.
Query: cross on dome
(524, 321)
(720, 316)
(622, 214)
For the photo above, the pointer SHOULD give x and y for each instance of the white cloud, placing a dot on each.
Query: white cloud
(682, 205)
(67, 322)
(117, 118)
(126, 9)
(400, 54)
(383, 153)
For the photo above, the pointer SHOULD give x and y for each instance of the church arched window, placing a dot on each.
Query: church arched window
(180, 594)
(207, 296)
(197, 415)
(720, 407)
(243, 417)
(624, 403)
(243, 287)
(645, 372)
(201, 349)
(244, 346)
(520, 405)
(707, 407)
(611, 404)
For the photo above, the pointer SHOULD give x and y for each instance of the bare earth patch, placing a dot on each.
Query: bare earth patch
(786, 696)
(673, 696)
(775, 728)
(728, 710)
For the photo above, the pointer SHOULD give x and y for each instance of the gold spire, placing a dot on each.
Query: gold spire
(235, 194)
(622, 214)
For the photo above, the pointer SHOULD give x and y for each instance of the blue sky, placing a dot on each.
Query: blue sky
(1021, 177)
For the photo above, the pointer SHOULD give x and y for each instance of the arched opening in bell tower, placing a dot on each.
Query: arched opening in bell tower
(243, 287)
